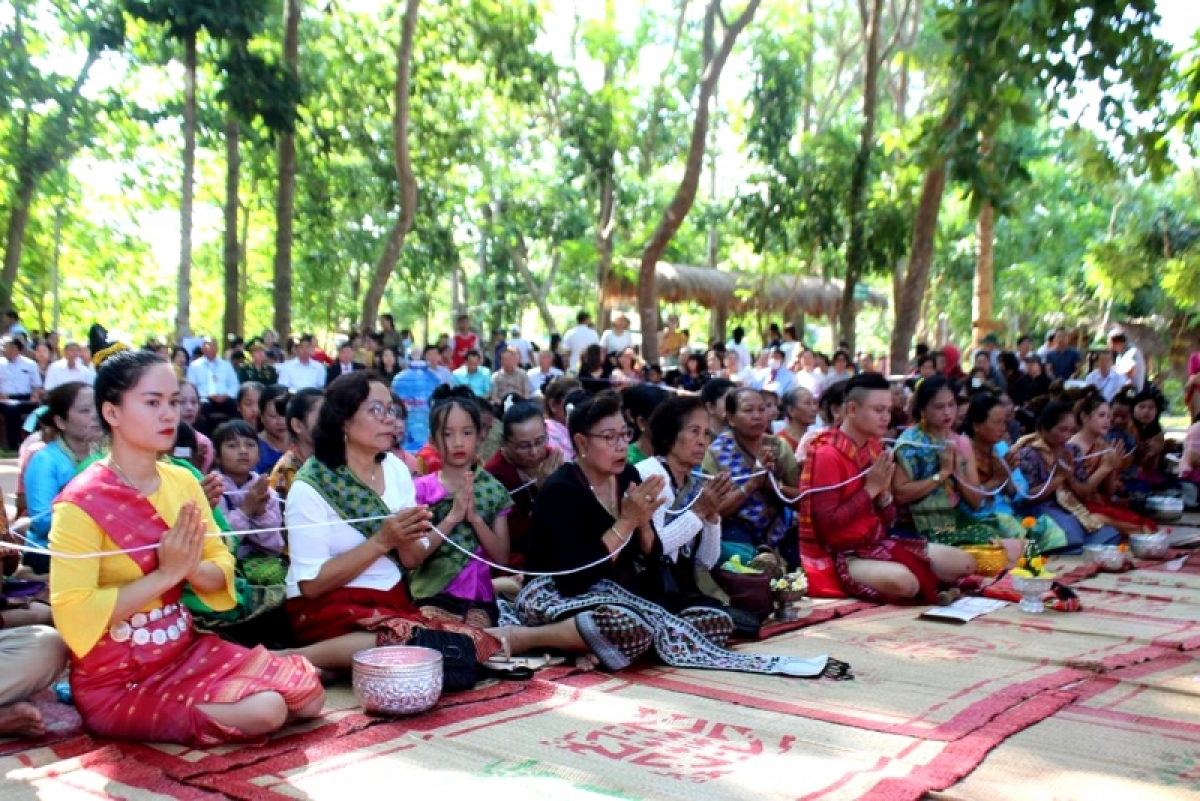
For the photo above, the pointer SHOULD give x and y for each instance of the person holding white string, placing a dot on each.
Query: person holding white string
(128, 533)
(763, 467)
(846, 510)
(1048, 464)
(355, 530)
(593, 530)
(689, 521)
(525, 461)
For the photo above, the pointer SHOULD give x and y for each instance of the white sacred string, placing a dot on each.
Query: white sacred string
(504, 568)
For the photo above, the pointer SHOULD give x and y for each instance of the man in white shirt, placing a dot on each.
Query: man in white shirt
(617, 338)
(20, 389)
(545, 372)
(791, 344)
(303, 371)
(739, 347)
(216, 382)
(1048, 345)
(578, 339)
(525, 349)
(1130, 362)
(1104, 378)
(69, 369)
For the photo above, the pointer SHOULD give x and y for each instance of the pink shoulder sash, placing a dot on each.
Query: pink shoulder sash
(121, 512)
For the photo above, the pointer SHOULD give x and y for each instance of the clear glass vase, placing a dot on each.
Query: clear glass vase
(1032, 588)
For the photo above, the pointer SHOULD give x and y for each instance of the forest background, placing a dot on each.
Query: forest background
(178, 166)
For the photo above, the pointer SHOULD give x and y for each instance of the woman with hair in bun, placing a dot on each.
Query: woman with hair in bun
(140, 670)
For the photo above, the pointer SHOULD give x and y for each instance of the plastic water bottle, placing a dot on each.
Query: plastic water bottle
(62, 690)
(413, 387)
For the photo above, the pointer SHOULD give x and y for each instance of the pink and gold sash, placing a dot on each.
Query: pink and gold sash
(122, 513)
(128, 519)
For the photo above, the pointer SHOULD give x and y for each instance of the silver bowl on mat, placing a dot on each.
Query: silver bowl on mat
(397, 679)
(1109, 557)
(1151, 546)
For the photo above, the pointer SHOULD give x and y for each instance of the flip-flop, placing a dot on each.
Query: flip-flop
(505, 671)
(531, 662)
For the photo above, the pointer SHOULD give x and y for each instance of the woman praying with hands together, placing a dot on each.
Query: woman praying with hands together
(139, 669)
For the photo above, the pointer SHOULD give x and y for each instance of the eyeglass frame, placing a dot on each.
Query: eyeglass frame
(380, 413)
(531, 446)
(614, 439)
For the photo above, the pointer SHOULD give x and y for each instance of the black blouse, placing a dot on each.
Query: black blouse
(567, 529)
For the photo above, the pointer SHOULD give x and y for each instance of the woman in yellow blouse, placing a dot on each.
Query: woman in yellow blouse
(139, 669)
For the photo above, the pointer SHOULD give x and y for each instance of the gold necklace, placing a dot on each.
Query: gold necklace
(124, 477)
(370, 482)
(612, 507)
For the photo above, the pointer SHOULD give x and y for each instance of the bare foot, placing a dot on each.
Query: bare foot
(21, 719)
(587, 662)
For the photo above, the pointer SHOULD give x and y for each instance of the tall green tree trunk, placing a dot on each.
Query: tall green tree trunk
(183, 319)
(714, 58)
(285, 196)
(18, 221)
(916, 281)
(232, 253)
(605, 226)
(982, 296)
(856, 252)
(404, 172)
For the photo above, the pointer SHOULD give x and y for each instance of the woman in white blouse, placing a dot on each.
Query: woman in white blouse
(353, 525)
(689, 523)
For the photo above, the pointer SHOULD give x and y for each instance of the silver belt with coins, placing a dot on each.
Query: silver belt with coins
(156, 627)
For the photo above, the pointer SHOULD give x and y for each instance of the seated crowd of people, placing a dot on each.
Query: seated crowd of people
(221, 535)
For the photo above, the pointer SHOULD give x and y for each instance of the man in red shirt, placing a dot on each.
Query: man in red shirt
(464, 340)
(845, 546)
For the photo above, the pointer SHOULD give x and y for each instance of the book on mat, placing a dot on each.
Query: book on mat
(964, 610)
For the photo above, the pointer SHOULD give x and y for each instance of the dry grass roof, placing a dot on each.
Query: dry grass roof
(739, 292)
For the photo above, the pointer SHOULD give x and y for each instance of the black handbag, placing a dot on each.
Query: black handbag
(460, 670)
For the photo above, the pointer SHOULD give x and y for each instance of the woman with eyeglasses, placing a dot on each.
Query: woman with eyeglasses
(355, 534)
(756, 515)
(593, 525)
(525, 461)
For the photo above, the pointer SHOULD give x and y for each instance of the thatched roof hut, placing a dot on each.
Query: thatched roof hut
(739, 292)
